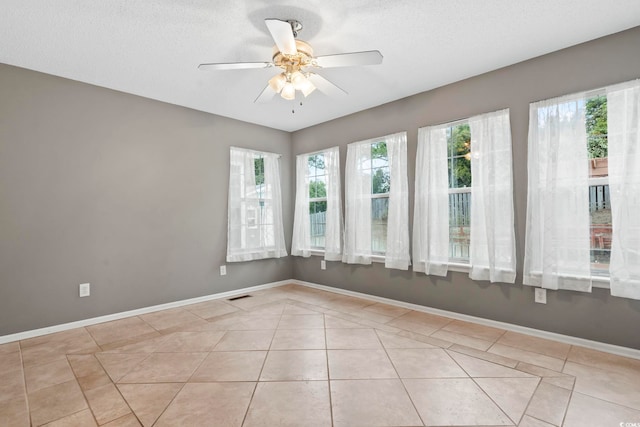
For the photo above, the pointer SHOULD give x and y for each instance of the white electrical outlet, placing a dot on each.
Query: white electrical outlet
(323, 264)
(85, 289)
(223, 270)
(541, 296)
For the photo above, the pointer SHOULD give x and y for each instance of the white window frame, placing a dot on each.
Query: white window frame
(317, 250)
(359, 242)
(301, 242)
(597, 280)
(378, 256)
(459, 263)
(246, 208)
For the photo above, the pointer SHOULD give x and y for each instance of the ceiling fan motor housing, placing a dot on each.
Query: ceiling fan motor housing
(303, 58)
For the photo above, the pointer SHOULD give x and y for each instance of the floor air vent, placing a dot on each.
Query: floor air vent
(240, 297)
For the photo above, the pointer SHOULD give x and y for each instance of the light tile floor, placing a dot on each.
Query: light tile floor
(297, 356)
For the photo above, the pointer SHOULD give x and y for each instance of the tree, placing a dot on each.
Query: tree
(316, 162)
(596, 120)
(459, 148)
(379, 151)
(259, 170)
(381, 181)
(317, 189)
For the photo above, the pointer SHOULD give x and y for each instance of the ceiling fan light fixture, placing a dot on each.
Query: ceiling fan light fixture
(288, 91)
(302, 83)
(277, 82)
(306, 91)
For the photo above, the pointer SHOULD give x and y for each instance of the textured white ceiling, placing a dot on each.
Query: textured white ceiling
(152, 48)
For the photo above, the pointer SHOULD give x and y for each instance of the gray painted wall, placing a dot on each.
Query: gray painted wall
(595, 316)
(123, 192)
(130, 194)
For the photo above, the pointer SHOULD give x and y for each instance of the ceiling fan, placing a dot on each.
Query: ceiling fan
(295, 58)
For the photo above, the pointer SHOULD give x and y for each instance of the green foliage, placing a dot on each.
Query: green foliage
(317, 189)
(381, 181)
(259, 170)
(379, 151)
(596, 120)
(459, 149)
(316, 162)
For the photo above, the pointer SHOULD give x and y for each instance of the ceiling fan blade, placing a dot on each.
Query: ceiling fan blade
(234, 66)
(266, 95)
(283, 35)
(325, 86)
(370, 57)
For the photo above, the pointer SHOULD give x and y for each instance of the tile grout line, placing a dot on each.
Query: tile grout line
(255, 387)
(326, 356)
(84, 396)
(526, 409)
(487, 394)
(404, 386)
(24, 383)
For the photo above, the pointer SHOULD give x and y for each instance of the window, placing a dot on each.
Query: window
(599, 195)
(450, 229)
(317, 200)
(378, 170)
(377, 202)
(255, 209)
(557, 252)
(577, 227)
(459, 180)
(317, 224)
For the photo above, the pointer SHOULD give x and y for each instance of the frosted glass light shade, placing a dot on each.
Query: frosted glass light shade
(288, 91)
(277, 82)
(301, 83)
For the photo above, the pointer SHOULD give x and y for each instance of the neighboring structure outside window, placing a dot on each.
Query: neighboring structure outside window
(377, 202)
(599, 195)
(255, 228)
(317, 224)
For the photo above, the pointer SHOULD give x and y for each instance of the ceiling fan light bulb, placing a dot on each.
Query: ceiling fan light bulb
(277, 82)
(288, 92)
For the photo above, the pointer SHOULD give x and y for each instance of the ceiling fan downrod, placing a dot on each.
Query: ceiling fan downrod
(296, 26)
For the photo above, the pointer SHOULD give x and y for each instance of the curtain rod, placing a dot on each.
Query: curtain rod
(256, 151)
(318, 151)
(457, 122)
(591, 92)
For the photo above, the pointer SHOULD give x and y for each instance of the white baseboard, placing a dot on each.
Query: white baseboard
(567, 339)
(144, 310)
(595, 345)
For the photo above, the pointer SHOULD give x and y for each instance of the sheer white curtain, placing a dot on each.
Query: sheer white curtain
(397, 253)
(623, 121)
(255, 229)
(557, 250)
(492, 244)
(334, 224)
(357, 227)
(358, 187)
(301, 241)
(431, 210)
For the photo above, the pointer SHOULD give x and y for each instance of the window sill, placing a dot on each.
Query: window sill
(458, 267)
(601, 282)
